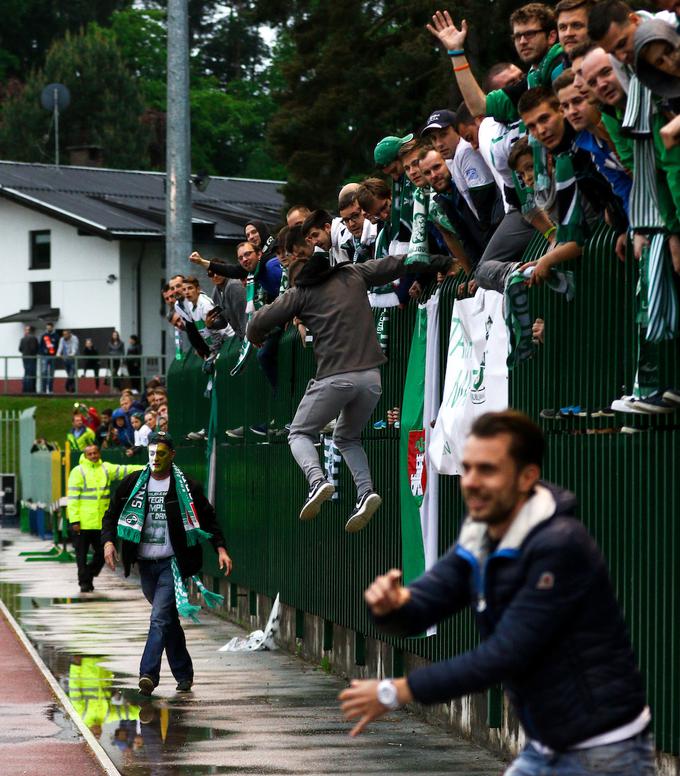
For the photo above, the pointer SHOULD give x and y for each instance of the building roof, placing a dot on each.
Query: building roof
(130, 204)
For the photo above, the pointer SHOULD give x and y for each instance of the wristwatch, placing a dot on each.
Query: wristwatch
(387, 694)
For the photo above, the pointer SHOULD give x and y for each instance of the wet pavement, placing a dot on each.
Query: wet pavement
(252, 713)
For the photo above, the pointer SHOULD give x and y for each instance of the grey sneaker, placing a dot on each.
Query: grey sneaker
(318, 493)
(235, 433)
(146, 685)
(364, 510)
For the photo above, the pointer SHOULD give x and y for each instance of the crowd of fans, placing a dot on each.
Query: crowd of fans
(40, 355)
(128, 426)
(585, 131)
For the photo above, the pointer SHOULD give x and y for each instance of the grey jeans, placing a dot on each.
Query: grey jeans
(351, 397)
(507, 246)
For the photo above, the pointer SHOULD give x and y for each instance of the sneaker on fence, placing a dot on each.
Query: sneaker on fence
(627, 404)
(365, 508)
(318, 493)
(197, 435)
(380, 425)
(260, 430)
(655, 404)
(235, 433)
(672, 395)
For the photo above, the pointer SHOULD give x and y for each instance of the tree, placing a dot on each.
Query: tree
(357, 71)
(30, 26)
(106, 105)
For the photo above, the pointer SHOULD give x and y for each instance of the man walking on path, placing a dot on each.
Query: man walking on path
(28, 347)
(162, 517)
(332, 302)
(89, 493)
(551, 628)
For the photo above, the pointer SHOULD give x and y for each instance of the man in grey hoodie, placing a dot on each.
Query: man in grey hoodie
(332, 302)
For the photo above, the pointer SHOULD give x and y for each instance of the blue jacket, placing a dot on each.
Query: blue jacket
(608, 165)
(551, 628)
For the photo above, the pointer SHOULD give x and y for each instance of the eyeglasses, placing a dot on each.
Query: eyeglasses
(528, 34)
(352, 217)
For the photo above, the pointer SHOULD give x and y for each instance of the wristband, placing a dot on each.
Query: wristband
(466, 66)
(456, 52)
(548, 232)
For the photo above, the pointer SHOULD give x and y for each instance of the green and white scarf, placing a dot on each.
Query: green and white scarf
(658, 311)
(131, 524)
(425, 208)
(254, 300)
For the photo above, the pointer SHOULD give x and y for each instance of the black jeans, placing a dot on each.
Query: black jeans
(88, 571)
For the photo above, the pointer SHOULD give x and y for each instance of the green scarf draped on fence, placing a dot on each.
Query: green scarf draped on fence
(131, 524)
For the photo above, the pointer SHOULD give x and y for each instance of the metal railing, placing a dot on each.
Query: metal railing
(626, 480)
(80, 374)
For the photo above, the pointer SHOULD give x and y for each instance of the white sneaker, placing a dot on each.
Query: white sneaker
(627, 404)
(321, 492)
(364, 510)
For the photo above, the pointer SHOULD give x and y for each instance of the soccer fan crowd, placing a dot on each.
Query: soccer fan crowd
(585, 131)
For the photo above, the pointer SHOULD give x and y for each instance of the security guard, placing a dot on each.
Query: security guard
(89, 493)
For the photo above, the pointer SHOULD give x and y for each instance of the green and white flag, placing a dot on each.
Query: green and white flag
(419, 483)
(476, 376)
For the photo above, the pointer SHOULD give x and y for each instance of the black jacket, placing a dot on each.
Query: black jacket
(189, 559)
(551, 627)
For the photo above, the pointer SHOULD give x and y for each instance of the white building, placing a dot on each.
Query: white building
(84, 248)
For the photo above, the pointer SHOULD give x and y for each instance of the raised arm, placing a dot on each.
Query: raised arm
(453, 39)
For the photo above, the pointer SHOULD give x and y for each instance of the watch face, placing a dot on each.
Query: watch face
(387, 694)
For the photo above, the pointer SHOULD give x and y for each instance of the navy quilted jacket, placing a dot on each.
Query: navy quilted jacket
(552, 631)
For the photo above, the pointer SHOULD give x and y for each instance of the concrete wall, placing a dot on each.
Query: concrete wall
(141, 268)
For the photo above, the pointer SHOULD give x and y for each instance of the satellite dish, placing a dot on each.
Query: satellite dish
(55, 96)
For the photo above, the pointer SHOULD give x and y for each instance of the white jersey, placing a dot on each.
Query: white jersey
(495, 143)
(340, 235)
(197, 314)
(469, 171)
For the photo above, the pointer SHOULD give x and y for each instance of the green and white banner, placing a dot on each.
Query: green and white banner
(476, 375)
(418, 482)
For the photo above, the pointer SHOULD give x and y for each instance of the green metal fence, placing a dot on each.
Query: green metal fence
(626, 482)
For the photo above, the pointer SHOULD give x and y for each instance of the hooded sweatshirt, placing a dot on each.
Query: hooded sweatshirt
(333, 304)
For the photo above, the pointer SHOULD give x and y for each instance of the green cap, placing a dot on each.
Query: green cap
(387, 149)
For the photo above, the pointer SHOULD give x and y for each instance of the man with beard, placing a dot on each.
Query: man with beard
(552, 631)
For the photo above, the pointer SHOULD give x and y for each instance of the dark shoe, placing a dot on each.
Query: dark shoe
(185, 685)
(318, 493)
(146, 685)
(655, 404)
(364, 510)
(89, 588)
(260, 430)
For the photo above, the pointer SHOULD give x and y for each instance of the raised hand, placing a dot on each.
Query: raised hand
(446, 32)
(387, 593)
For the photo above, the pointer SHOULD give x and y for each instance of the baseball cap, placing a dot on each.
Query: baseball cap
(387, 149)
(161, 437)
(438, 120)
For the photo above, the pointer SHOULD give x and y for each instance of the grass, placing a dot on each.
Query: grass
(53, 414)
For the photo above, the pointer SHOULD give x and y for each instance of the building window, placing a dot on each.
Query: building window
(40, 250)
(41, 294)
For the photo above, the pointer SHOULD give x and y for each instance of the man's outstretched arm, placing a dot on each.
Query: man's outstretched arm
(453, 39)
